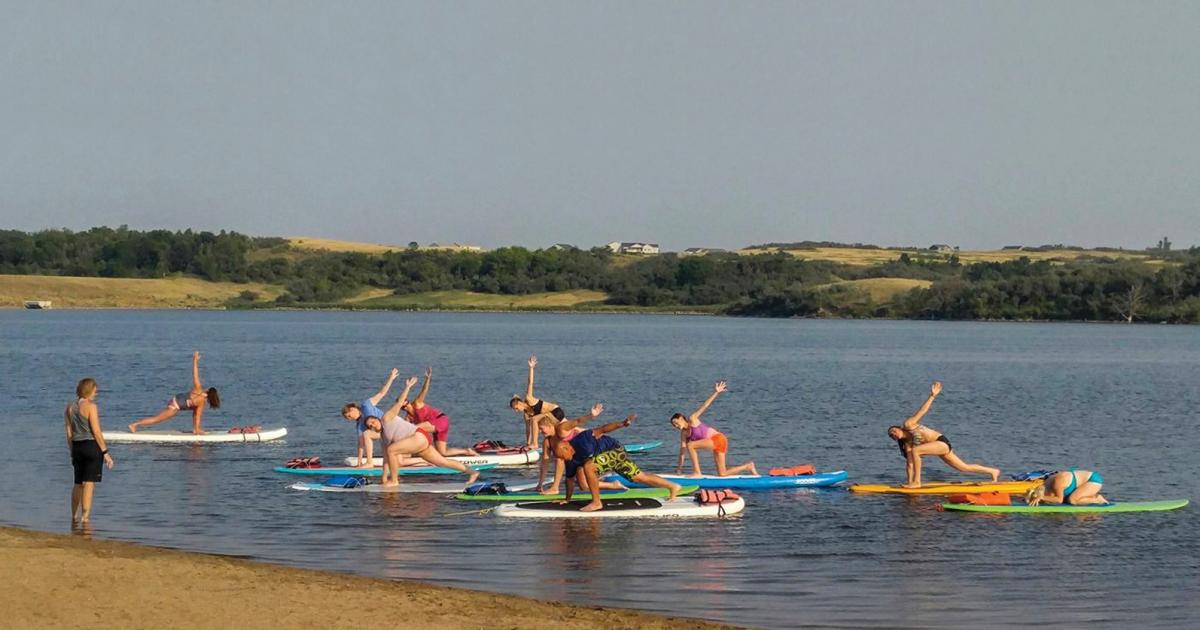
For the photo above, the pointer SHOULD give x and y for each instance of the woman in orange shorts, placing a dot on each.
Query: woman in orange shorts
(695, 435)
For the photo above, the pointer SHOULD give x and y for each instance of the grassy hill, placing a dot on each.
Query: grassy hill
(73, 292)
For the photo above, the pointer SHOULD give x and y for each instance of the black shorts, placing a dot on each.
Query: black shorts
(87, 461)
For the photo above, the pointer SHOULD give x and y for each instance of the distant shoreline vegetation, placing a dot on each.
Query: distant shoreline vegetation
(805, 279)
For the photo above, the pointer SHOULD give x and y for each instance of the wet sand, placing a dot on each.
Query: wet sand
(55, 580)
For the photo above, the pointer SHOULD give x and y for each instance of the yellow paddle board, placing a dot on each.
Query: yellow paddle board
(951, 487)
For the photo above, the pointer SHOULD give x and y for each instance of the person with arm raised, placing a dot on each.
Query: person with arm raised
(694, 435)
(193, 400)
(916, 441)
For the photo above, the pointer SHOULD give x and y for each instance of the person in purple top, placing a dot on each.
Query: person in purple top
(358, 414)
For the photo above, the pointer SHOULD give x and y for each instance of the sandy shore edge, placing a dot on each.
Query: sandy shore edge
(58, 580)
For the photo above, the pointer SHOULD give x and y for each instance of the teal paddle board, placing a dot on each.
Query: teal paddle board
(1143, 506)
(641, 446)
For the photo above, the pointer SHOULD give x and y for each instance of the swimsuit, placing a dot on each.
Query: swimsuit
(181, 401)
(557, 412)
(1072, 487)
(704, 432)
(915, 441)
(434, 416)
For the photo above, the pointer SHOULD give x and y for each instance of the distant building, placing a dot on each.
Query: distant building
(559, 247)
(1015, 248)
(942, 248)
(702, 251)
(619, 247)
(454, 247)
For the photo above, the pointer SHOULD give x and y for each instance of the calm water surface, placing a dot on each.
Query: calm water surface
(1122, 400)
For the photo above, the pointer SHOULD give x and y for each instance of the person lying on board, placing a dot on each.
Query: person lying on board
(553, 432)
(534, 409)
(591, 453)
(916, 441)
(400, 438)
(193, 400)
(436, 423)
(358, 414)
(1072, 487)
(694, 435)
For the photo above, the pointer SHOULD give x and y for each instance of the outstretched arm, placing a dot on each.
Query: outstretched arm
(717, 389)
(613, 426)
(683, 440)
(420, 400)
(196, 385)
(568, 425)
(402, 400)
(386, 386)
(915, 419)
(529, 385)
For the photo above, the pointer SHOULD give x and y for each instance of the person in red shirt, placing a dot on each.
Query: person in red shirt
(432, 420)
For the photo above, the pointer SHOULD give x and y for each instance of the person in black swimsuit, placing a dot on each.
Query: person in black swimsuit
(916, 440)
(534, 408)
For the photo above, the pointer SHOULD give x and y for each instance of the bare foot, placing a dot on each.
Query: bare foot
(84, 519)
(548, 491)
(995, 475)
(592, 507)
(471, 451)
(133, 428)
(612, 485)
(197, 432)
(473, 477)
(753, 470)
(674, 490)
(911, 485)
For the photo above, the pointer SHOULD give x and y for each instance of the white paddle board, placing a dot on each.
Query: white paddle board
(682, 507)
(212, 436)
(507, 459)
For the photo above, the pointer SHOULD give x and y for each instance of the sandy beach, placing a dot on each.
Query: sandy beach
(55, 580)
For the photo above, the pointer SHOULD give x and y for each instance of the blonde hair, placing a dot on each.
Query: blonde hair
(547, 423)
(1035, 493)
(85, 388)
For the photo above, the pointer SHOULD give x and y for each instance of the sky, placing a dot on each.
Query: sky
(715, 124)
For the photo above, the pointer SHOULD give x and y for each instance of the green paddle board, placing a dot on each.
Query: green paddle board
(1144, 506)
(634, 493)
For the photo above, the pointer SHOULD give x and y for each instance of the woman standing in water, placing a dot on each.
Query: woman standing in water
(89, 453)
(534, 409)
(916, 441)
(193, 401)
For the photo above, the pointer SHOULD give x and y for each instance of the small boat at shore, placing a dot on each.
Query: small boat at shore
(37, 305)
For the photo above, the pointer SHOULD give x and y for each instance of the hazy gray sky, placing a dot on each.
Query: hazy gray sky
(684, 123)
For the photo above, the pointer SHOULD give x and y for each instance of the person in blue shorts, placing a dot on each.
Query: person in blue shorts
(369, 408)
(1072, 487)
(591, 453)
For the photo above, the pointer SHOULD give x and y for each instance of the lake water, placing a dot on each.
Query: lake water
(1122, 400)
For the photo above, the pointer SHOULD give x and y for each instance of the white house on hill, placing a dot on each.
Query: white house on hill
(618, 247)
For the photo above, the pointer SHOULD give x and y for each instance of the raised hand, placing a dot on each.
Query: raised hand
(196, 355)
(532, 362)
(597, 409)
(428, 372)
(393, 374)
(410, 382)
(936, 388)
(629, 420)
(719, 387)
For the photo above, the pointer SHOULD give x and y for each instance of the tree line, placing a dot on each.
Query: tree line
(770, 284)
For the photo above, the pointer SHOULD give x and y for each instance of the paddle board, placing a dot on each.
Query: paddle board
(641, 446)
(622, 508)
(507, 459)
(515, 495)
(374, 472)
(186, 437)
(1144, 506)
(951, 487)
(429, 488)
(759, 482)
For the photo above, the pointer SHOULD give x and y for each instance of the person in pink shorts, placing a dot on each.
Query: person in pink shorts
(433, 421)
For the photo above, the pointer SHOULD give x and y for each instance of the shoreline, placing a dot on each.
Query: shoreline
(69, 580)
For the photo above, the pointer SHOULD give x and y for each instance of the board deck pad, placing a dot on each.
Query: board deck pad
(1142, 506)
(374, 472)
(605, 495)
(609, 504)
(758, 482)
(951, 487)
